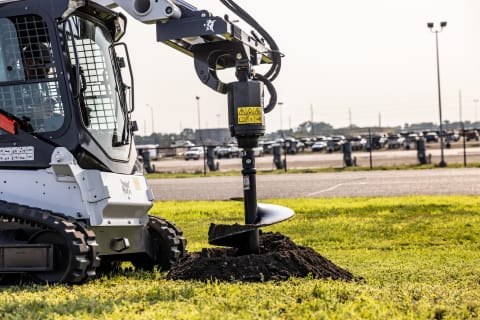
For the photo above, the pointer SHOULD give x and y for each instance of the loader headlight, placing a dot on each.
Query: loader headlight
(72, 6)
(120, 23)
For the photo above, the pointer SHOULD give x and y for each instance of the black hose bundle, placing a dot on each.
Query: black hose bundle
(274, 70)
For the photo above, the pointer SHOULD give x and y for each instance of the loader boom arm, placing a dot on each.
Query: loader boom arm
(145, 10)
(198, 33)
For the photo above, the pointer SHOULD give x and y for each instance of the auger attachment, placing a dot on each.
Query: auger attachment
(216, 43)
(245, 237)
(246, 121)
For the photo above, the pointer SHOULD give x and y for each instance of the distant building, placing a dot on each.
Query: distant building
(219, 136)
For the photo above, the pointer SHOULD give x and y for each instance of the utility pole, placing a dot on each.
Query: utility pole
(153, 123)
(311, 113)
(311, 119)
(198, 112)
(200, 136)
(476, 103)
(281, 116)
(430, 25)
(350, 117)
(460, 105)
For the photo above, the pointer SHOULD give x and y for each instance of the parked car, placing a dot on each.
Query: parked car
(471, 135)
(335, 143)
(307, 142)
(320, 138)
(193, 153)
(267, 146)
(258, 151)
(395, 141)
(358, 143)
(431, 137)
(182, 144)
(411, 140)
(377, 142)
(319, 146)
(455, 135)
(293, 145)
(229, 151)
(300, 146)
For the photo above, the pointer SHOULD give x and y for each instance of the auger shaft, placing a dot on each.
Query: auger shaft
(250, 199)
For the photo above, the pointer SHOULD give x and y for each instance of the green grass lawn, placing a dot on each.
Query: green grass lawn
(418, 257)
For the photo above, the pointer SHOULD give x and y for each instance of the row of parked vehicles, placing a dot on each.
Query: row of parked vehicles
(226, 151)
(292, 146)
(389, 141)
(334, 143)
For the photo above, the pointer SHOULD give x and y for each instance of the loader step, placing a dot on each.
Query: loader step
(26, 257)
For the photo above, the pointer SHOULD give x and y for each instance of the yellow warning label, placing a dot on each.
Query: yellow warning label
(250, 115)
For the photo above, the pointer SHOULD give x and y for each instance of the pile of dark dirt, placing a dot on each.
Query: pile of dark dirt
(279, 259)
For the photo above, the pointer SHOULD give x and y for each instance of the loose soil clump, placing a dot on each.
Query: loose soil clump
(279, 259)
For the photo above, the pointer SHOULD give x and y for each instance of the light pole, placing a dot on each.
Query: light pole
(200, 135)
(430, 25)
(198, 111)
(476, 104)
(151, 114)
(283, 136)
(198, 118)
(281, 117)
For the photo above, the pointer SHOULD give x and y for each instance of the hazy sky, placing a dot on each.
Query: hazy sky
(373, 59)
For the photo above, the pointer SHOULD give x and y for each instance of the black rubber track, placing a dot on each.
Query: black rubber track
(82, 247)
(168, 242)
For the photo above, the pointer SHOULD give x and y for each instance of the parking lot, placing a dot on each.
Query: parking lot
(308, 159)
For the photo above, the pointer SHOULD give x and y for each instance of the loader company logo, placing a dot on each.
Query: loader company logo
(250, 115)
(126, 187)
(17, 154)
(210, 25)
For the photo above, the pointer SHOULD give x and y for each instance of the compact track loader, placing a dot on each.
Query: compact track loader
(73, 198)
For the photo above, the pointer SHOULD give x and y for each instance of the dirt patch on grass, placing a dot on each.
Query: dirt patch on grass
(279, 259)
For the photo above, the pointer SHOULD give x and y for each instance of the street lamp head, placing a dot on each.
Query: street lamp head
(443, 24)
(430, 25)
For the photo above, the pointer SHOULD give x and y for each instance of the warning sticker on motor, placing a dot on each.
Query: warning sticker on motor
(250, 115)
(17, 154)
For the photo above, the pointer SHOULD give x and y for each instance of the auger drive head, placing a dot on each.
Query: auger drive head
(246, 121)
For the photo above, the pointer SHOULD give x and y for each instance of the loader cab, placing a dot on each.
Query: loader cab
(29, 81)
(101, 82)
(67, 82)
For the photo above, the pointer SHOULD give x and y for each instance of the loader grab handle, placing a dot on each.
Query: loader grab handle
(7, 124)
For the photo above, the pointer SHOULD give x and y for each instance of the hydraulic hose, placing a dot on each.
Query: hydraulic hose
(274, 70)
(271, 90)
(276, 55)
